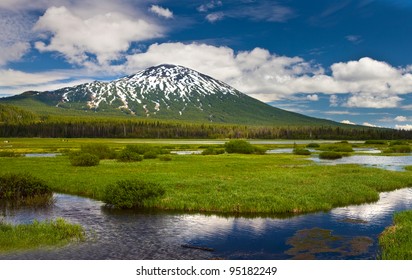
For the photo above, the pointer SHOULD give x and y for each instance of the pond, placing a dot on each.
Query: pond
(395, 163)
(343, 233)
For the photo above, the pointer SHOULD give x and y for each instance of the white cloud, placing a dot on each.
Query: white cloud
(160, 11)
(401, 119)
(13, 53)
(369, 124)
(348, 122)
(15, 35)
(11, 78)
(313, 97)
(43, 87)
(341, 113)
(104, 35)
(209, 6)
(213, 17)
(404, 127)
(367, 100)
(354, 38)
(268, 77)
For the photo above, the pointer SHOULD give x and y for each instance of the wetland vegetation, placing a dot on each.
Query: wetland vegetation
(245, 181)
(38, 234)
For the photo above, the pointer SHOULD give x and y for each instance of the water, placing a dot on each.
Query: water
(343, 233)
(395, 163)
(194, 152)
(42, 155)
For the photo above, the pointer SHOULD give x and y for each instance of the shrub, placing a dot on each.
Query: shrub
(138, 149)
(150, 154)
(339, 147)
(213, 151)
(302, 152)
(84, 159)
(330, 155)
(312, 145)
(128, 156)
(398, 143)
(165, 158)
(398, 149)
(101, 150)
(9, 154)
(239, 147)
(131, 193)
(25, 188)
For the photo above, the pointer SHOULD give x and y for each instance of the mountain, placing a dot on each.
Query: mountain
(164, 92)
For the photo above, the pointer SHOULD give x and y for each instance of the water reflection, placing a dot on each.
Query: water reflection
(159, 235)
(395, 163)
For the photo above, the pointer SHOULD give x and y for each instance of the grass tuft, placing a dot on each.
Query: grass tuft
(38, 234)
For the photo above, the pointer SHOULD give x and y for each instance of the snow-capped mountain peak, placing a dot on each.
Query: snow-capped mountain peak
(151, 90)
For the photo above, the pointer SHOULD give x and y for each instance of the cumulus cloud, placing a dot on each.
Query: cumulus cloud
(13, 52)
(348, 122)
(105, 36)
(213, 17)
(209, 6)
(369, 124)
(367, 100)
(11, 78)
(404, 127)
(160, 11)
(313, 97)
(401, 119)
(268, 77)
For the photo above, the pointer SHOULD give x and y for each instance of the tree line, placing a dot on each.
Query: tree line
(121, 128)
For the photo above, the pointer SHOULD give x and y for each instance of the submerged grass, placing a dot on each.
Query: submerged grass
(230, 183)
(38, 234)
(396, 240)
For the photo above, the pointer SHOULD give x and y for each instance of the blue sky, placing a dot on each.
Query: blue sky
(342, 60)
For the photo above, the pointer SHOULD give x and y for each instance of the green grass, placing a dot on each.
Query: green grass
(38, 234)
(224, 183)
(396, 240)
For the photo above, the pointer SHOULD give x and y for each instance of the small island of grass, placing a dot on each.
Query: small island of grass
(396, 240)
(38, 234)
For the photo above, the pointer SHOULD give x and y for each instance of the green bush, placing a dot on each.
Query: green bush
(312, 145)
(302, 152)
(128, 156)
(398, 143)
(338, 147)
(131, 193)
(23, 187)
(139, 149)
(9, 154)
(152, 154)
(165, 157)
(239, 147)
(84, 159)
(402, 149)
(330, 155)
(213, 151)
(101, 150)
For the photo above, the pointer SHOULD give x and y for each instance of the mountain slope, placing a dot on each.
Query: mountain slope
(166, 92)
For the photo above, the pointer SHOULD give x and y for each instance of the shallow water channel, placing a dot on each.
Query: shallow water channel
(343, 233)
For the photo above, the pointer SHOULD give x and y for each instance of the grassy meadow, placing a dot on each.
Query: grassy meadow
(225, 183)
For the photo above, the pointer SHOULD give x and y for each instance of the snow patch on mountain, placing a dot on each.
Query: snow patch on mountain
(159, 86)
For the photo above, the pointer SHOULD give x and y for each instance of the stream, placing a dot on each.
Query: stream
(342, 233)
